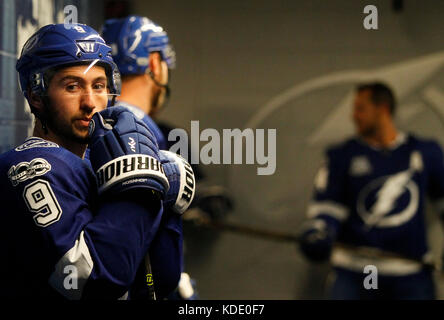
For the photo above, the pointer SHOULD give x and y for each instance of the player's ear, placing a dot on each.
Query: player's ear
(164, 72)
(35, 101)
(155, 66)
(385, 108)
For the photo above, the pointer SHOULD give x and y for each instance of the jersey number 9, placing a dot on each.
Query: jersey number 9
(41, 200)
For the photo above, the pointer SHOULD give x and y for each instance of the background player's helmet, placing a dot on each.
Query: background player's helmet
(58, 45)
(132, 39)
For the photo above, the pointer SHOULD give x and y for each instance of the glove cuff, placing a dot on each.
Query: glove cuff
(182, 182)
(130, 171)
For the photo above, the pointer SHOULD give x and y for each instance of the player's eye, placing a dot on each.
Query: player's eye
(72, 87)
(99, 86)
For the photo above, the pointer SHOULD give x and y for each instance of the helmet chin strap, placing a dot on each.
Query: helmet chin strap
(113, 100)
(44, 127)
(167, 88)
(40, 115)
(43, 118)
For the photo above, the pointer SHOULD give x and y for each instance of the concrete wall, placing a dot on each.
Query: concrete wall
(289, 65)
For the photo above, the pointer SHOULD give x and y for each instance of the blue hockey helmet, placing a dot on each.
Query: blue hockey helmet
(58, 45)
(132, 39)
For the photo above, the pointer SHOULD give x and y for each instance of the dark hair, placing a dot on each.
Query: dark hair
(128, 77)
(380, 93)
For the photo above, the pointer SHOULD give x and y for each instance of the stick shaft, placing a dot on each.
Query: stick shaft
(251, 231)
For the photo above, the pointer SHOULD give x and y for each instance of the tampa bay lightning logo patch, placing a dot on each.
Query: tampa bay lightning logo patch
(35, 142)
(389, 201)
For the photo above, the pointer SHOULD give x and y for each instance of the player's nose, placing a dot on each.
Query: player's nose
(88, 99)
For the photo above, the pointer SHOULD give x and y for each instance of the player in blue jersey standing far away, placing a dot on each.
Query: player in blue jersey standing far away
(367, 214)
(143, 53)
(80, 229)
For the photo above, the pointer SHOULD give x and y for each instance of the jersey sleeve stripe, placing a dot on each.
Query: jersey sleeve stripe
(330, 208)
(73, 270)
(388, 266)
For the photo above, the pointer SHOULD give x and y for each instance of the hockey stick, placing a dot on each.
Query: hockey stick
(200, 219)
(149, 279)
(251, 231)
(142, 287)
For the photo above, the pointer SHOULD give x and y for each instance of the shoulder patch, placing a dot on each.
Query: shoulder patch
(27, 170)
(36, 143)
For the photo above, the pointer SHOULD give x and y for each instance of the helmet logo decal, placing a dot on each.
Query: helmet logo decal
(87, 46)
(79, 29)
(135, 42)
(30, 43)
(136, 38)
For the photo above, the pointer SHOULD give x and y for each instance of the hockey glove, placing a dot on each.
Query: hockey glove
(181, 180)
(124, 153)
(316, 240)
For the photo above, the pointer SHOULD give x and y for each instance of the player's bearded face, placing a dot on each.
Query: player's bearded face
(365, 114)
(74, 95)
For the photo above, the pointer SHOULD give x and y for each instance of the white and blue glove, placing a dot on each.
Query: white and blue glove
(124, 153)
(181, 180)
(186, 289)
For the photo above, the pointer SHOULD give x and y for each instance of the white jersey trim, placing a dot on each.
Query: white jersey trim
(79, 258)
(391, 266)
(330, 208)
(127, 167)
(124, 297)
(400, 139)
(36, 142)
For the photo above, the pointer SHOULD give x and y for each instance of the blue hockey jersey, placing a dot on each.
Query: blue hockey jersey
(160, 132)
(161, 140)
(60, 240)
(171, 222)
(375, 198)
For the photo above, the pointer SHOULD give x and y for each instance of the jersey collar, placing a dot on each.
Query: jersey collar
(400, 139)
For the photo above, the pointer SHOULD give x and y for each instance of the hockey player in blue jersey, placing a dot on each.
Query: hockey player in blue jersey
(367, 214)
(143, 53)
(80, 229)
